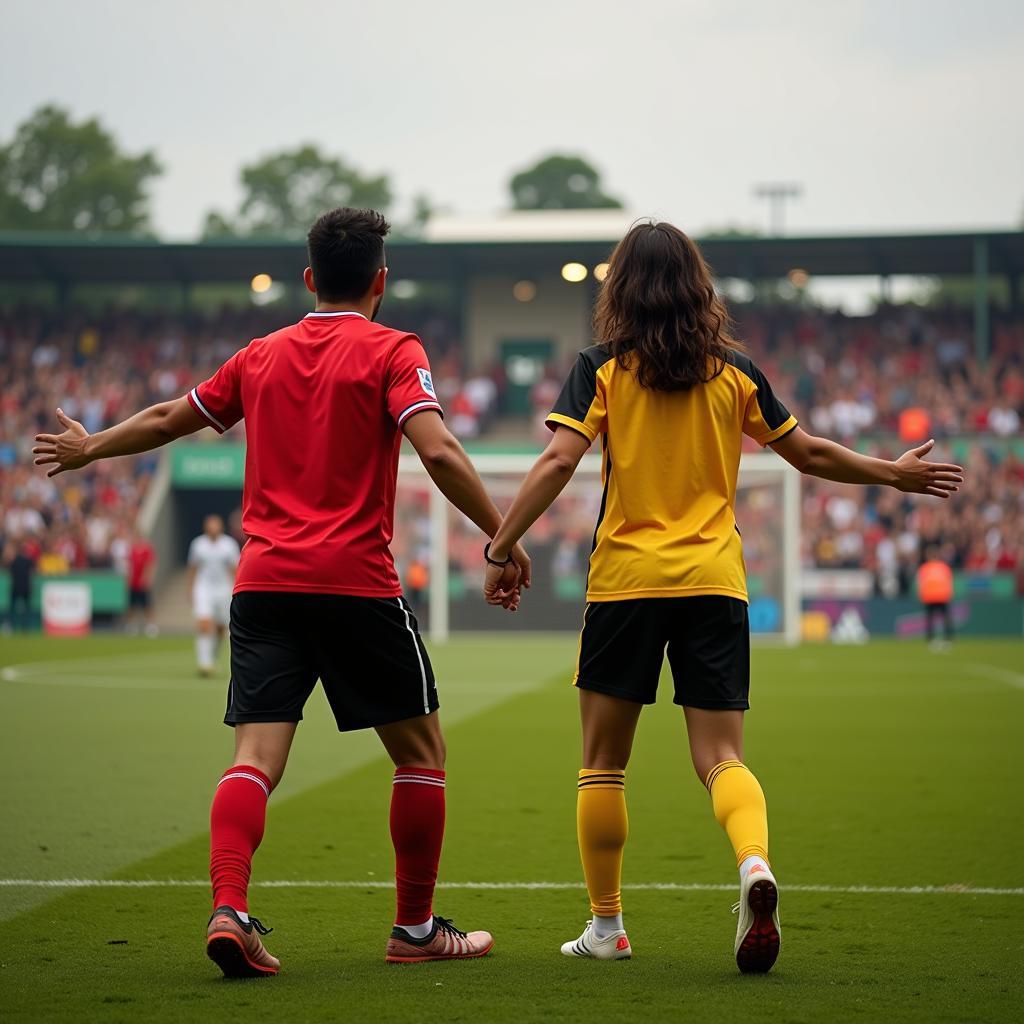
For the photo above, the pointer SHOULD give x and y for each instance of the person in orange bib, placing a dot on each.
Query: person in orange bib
(935, 589)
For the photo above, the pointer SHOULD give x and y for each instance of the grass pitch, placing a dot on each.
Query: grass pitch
(885, 767)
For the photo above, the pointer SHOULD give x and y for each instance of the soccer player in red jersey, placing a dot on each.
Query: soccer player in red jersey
(141, 566)
(325, 402)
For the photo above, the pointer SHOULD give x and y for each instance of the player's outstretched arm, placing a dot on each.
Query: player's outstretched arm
(545, 481)
(817, 456)
(451, 469)
(143, 432)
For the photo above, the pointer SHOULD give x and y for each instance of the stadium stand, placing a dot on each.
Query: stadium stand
(884, 382)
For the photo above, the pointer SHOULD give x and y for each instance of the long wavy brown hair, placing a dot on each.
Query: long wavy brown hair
(658, 312)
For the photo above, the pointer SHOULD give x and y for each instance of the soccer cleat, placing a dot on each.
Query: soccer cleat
(445, 942)
(236, 948)
(757, 933)
(612, 947)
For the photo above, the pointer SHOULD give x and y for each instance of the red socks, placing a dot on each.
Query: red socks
(417, 831)
(237, 820)
(239, 812)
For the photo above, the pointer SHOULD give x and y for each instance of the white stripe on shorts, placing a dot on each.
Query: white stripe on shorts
(419, 657)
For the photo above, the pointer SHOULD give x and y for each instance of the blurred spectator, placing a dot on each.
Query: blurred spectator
(141, 566)
(935, 592)
(20, 563)
(915, 425)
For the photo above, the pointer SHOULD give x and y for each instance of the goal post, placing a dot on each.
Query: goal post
(439, 559)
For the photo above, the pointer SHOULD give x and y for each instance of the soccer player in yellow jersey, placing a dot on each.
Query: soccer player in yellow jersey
(670, 394)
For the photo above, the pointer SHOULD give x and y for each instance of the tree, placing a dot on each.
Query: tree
(285, 192)
(414, 225)
(56, 175)
(560, 182)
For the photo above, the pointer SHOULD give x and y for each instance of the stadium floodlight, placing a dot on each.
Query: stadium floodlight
(777, 193)
(601, 271)
(261, 283)
(524, 291)
(574, 273)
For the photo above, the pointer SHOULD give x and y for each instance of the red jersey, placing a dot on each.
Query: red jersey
(324, 402)
(141, 556)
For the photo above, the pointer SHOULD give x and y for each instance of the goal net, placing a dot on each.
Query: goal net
(439, 558)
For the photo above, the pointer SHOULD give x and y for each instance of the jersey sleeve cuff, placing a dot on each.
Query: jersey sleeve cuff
(791, 424)
(556, 419)
(197, 403)
(411, 410)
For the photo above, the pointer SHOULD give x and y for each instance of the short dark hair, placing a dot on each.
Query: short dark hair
(346, 249)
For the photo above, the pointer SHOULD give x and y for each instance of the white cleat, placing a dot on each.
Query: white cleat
(612, 947)
(757, 934)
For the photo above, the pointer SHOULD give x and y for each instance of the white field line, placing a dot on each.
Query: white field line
(99, 662)
(956, 889)
(102, 671)
(1004, 675)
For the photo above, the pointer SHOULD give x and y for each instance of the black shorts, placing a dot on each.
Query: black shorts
(366, 651)
(138, 599)
(623, 646)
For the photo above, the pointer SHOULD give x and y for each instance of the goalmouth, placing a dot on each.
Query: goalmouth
(439, 554)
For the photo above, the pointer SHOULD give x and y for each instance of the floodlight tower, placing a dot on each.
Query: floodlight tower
(777, 193)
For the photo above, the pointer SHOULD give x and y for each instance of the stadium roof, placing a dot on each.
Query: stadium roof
(70, 259)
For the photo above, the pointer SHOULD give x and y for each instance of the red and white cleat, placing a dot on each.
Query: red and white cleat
(235, 947)
(758, 937)
(445, 942)
(612, 947)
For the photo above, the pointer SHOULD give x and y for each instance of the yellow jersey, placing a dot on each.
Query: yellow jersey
(667, 524)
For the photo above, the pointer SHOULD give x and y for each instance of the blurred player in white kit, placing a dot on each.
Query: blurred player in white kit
(212, 561)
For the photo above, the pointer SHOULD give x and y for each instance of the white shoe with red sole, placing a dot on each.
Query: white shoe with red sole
(758, 936)
(612, 947)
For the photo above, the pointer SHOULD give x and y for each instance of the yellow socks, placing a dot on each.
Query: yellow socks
(739, 808)
(602, 827)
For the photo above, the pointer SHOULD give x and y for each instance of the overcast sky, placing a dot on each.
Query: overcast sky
(892, 113)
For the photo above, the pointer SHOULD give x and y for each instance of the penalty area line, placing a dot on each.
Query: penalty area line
(955, 889)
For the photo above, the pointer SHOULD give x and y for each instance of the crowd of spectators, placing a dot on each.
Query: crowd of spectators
(980, 531)
(899, 378)
(883, 381)
(98, 369)
(904, 371)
